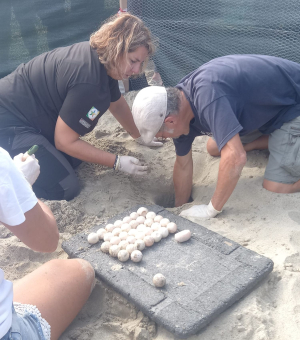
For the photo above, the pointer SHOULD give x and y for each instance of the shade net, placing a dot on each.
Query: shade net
(189, 32)
(31, 27)
(192, 32)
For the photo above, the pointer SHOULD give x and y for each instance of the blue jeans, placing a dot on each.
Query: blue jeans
(27, 327)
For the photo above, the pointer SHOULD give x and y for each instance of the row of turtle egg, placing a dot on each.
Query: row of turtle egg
(134, 232)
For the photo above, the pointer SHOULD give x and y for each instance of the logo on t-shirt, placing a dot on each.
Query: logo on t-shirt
(93, 113)
(84, 123)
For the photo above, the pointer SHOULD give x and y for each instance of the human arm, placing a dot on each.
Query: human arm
(183, 178)
(233, 159)
(39, 230)
(20, 211)
(68, 141)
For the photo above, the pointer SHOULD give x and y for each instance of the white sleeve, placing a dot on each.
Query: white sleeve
(16, 196)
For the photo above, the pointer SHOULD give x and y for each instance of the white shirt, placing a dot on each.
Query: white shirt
(16, 198)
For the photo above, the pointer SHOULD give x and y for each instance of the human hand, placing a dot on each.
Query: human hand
(154, 142)
(201, 211)
(29, 167)
(131, 165)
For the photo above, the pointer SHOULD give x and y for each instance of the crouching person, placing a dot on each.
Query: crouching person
(42, 304)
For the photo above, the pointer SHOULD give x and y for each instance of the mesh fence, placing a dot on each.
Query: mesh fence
(31, 27)
(192, 32)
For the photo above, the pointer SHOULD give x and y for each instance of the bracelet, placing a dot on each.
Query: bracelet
(122, 10)
(117, 163)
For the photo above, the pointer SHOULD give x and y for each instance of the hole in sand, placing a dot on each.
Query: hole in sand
(165, 199)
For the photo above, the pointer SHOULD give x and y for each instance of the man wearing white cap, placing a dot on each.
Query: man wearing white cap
(228, 98)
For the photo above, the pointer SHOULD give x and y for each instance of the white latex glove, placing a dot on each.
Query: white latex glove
(201, 211)
(30, 167)
(155, 142)
(132, 166)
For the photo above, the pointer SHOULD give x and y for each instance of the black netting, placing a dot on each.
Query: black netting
(31, 27)
(190, 32)
(193, 32)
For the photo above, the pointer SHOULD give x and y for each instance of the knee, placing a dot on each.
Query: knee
(212, 148)
(74, 269)
(71, 188)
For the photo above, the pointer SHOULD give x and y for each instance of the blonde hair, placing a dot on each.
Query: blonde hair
(118, 36)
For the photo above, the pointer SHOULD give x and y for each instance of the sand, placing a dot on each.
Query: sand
(264, 222)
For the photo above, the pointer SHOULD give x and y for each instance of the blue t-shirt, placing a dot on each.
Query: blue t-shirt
(240, 94)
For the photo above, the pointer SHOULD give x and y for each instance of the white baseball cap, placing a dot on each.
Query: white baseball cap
(149, 111)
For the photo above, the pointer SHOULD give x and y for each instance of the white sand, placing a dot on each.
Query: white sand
(264, 222)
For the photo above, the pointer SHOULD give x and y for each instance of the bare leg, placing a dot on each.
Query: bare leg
(281, 188)
(260, 143)
(59, 289)
(212, 148)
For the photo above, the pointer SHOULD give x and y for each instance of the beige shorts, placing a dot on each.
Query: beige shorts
(284, 160)
(250, 137)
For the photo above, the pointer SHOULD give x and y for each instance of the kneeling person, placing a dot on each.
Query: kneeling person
(228, 97)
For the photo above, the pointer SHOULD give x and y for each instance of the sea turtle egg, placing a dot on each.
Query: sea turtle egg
(108, 236)
(164, 222)
(116, 231)
(151, 214)
(141, 219)
(142, 211)
(110, 227)
(134, 215)
(126, 219)
(118, 223)
(148, 222)
(93, 238)
(136, 256)
(158, 218)
(101, 232)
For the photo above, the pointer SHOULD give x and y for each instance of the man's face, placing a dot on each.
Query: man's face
(173, 127)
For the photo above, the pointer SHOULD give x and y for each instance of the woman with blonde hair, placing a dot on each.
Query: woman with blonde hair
(60, 95)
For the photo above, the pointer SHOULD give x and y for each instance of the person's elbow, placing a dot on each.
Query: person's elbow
(60, 144)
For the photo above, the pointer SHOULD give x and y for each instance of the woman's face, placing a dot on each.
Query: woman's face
(131, 64)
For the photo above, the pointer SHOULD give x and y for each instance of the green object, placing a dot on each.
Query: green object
(33, 150)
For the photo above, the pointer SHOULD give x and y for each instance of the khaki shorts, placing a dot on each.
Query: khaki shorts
(250, 137)
(284, 160)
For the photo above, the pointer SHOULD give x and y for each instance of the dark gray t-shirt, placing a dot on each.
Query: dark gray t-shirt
(240, 94)
(69, 82)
